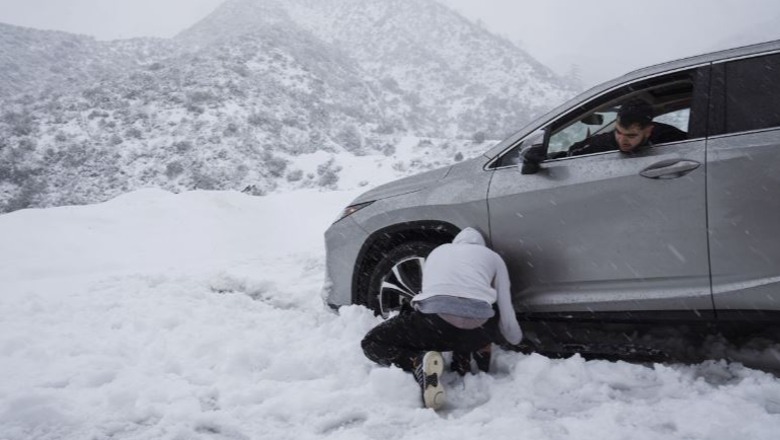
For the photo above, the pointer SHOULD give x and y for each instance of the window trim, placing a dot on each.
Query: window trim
(743, 133)
(716, 125)
(745, 57)
(704, 67)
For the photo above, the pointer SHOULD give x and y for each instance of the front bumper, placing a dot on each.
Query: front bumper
(343, 241)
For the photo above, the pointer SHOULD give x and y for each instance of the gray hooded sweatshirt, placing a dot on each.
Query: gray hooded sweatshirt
(467, 269)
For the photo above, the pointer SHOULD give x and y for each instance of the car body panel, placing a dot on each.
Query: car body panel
(459, 199)
(590, 234)
(744, 220)
(344, 240)
(403, 186)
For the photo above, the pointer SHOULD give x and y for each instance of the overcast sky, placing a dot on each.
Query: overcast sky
(604, 38)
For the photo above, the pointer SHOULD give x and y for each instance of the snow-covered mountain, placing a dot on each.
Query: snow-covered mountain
(453, 78)
(259, 96)
(34, 62)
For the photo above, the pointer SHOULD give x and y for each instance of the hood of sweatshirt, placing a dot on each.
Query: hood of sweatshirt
(469, 236)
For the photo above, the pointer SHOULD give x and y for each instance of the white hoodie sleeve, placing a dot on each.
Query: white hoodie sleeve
(508, 324)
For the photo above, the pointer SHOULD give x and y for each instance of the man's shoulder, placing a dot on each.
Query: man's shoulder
(594, 144)
(663, 133)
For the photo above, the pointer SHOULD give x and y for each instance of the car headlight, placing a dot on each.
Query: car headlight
(351, 209)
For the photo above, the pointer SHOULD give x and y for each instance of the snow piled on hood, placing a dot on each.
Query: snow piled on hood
(198, 316)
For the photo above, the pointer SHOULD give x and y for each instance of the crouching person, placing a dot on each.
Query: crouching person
(464, 284)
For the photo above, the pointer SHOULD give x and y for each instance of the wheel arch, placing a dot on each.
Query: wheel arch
(382, 241)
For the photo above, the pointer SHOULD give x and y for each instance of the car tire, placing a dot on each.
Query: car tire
(397, 277)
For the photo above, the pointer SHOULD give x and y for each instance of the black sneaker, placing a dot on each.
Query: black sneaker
(461, 362)
(427, 372)
(482, 358)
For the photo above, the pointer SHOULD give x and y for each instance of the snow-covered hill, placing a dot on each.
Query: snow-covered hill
(35, 62)
(197, 316)
(234, 102)
(445, 76)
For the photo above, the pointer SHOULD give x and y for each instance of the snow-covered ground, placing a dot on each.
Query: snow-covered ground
(198, 316)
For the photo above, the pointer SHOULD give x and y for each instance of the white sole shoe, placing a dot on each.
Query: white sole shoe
(432, 389)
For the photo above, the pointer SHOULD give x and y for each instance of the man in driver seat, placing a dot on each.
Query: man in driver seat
(634, 131)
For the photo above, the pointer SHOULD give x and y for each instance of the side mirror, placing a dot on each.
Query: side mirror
(532, 158)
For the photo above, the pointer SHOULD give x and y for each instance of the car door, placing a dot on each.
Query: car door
(743, 156)
(607, 232)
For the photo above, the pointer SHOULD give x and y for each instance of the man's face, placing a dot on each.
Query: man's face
(628, 138)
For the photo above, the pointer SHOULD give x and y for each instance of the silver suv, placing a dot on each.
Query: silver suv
(609, 253)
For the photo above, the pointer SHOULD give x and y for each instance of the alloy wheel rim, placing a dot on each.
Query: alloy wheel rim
(400, 284)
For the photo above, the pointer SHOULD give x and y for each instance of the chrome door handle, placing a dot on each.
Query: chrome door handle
(669, 169)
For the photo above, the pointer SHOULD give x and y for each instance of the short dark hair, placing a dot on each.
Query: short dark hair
(635, 111)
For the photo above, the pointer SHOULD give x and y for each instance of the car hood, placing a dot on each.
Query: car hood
(405, 185)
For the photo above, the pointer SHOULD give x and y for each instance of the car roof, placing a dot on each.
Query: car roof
(711, 57)
(645, 72)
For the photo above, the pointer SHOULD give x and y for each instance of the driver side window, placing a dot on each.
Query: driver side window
(592, 124)
(670, 99)
(677, 114)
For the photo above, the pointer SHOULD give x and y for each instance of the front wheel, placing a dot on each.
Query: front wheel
(397, 277)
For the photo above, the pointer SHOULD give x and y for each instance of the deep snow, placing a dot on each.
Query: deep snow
(198, 316)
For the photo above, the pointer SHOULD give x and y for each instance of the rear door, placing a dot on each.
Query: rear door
(605, 233)
(743, 186)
